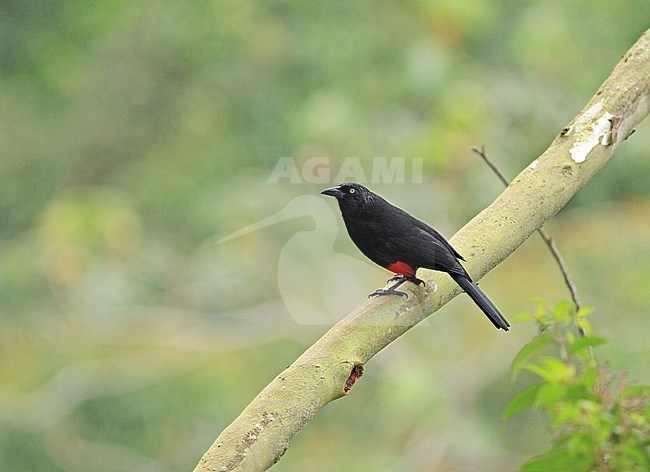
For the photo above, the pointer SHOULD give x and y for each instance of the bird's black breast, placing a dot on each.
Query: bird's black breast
(370, 237)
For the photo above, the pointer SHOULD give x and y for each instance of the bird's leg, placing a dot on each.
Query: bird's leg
(416, 281)
(405, 278)
(396, 277)
(392, 290)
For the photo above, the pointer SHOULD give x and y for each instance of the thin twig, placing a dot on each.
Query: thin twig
(548, 239)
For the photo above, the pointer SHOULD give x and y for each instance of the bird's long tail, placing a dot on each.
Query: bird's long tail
(483, 302)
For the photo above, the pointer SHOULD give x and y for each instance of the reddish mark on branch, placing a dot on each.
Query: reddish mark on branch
(357, 372)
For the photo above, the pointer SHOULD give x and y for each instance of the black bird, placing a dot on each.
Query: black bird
(401, 243)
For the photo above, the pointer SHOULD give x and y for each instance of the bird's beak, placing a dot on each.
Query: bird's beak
(332, 192)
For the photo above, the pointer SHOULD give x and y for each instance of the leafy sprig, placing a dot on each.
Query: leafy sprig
(599, 421)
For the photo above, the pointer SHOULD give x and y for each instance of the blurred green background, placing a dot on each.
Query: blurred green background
(136, 134)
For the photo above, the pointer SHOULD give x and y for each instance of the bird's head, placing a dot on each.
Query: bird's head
(350, 194)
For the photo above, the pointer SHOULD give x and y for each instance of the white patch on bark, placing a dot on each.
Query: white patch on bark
(588, 137)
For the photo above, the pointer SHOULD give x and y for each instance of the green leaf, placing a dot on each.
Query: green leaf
(535, 345)
(550, 394)
(588, 378)
(552, 370)
(558, 370)
(581, 320)
(584, 312)
(581, 343)
(554, 460)
(567, 413)
(563, 312)
(539, 370)
(523, 400)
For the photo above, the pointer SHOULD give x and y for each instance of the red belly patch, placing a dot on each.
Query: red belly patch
(402, 268)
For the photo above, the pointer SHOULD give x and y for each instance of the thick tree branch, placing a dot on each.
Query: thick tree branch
(260, 435)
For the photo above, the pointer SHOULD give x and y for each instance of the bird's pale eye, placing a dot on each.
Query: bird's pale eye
(351, 190)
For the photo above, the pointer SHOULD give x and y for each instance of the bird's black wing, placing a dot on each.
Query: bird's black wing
(429, 251)
(439, 237)
(389, 232)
